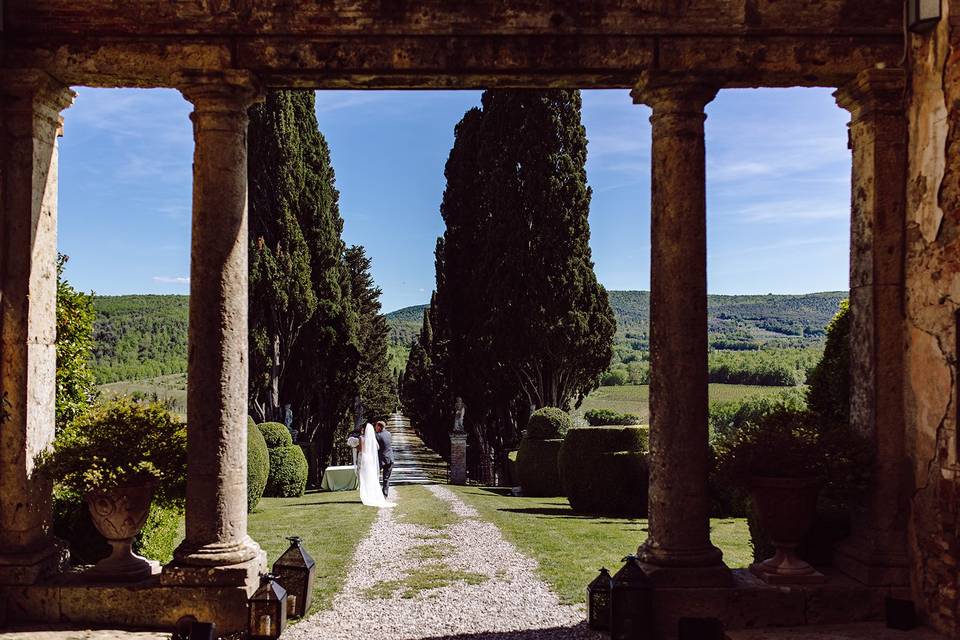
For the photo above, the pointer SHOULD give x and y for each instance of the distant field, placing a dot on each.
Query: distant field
(170, 389)
(635, 399)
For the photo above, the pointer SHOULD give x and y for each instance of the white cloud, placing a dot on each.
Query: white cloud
(792, 210)
(171, 279)
(328, 101)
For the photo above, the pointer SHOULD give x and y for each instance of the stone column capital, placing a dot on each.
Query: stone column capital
(34, 92)
(873, 91)
(221, 97)
(672, 93)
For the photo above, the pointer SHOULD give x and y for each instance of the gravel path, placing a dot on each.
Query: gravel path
(504, 600)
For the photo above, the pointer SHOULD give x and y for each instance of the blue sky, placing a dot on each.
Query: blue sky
(778, 185)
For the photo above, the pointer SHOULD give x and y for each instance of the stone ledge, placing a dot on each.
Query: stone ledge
(861, 631)
(751, 603)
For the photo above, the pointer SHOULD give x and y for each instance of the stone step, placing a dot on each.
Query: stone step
(858, 631)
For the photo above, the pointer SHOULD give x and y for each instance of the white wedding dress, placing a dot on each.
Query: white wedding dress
(371, 493)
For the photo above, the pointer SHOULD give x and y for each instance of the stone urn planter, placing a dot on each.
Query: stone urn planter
(786, 508)
(119, 514)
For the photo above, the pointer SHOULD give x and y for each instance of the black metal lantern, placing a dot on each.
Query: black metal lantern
(268, 610)
(598, 601)
(922, 15)
(631, 603)
(297, 571)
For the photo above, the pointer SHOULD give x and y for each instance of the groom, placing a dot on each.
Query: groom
(385, 440)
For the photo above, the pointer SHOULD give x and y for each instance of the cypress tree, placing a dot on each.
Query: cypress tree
(74, 346)
(299, 280)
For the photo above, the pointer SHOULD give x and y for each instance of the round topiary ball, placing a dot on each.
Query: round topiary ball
(548, 423)
(288, 472)
(276, 434)
(258, 465)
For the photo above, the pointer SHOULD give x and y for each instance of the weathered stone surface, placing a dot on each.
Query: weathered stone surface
(31, 103)
(679, 532)
(458, 458)
(876, 551)
(216, 518)
(859, 631)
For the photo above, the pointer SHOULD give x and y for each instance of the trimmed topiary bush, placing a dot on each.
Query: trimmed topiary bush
(288, 472)
(548, 423)
(604, 470)
(605, 417)
(258, 465)
(276, 435)
(537, 467)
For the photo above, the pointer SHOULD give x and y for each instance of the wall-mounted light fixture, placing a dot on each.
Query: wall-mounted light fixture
(922, 15)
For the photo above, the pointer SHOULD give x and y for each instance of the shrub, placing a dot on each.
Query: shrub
(258, 464)
(288, 472)
(160, 534)
(604, 471)
(548, 423)
(121, 443)
(729, 417)
(828, 394)
(276, 434)
(614, 378)
(605, 417)
(513, 476)
(537, 467)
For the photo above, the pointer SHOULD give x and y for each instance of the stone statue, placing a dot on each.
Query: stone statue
(458, 411)
(288, 416)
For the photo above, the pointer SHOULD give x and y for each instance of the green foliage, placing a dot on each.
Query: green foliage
(537, 467)
(118, 444)
(790, 444)
(604, 470)
(258, 464)
(614, 377)
(139, 336)
(73, 524)
(288, 472)
(275, 435)
(828, 394)
(375, 378)
(548, 423)
(729, 417)
(75, 381)
(304, 348)
(604, 417)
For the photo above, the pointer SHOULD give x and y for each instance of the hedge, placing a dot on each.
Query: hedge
(276, 435)
(605, 417)
(604, 470)
(258, 465)
(537, 467)
(512, 475)
(548, 423)
(288, 472)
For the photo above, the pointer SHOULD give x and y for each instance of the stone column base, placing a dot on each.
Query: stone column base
(242, 574)
(872, 567)
(716, 576)
(32, 566)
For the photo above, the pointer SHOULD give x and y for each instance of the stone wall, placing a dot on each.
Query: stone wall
(932, 305)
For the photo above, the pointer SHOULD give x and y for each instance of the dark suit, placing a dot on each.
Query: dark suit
(385, 453)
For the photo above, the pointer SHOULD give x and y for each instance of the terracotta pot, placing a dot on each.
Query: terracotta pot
(786, 508)
(119, 514)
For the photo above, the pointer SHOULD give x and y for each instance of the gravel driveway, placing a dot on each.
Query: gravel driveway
(494, 594)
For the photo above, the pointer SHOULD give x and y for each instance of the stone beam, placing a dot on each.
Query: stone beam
(185, 18)
(457, 61)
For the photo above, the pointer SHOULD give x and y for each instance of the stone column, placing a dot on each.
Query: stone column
(876, 552)
(216, 517)
(30, 123)
(678, 549)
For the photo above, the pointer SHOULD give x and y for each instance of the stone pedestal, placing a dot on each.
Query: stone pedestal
(30, 105)
(876, 551)
(217, 549)
(458, 458)
(678, 549)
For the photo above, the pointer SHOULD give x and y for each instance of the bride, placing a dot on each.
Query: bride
(371, 494)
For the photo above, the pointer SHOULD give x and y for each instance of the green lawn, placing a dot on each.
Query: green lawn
(331, 525)
(635, 399)
(571, 548)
